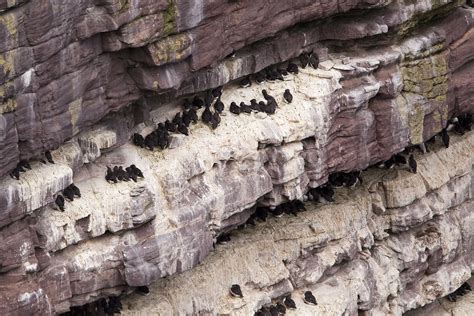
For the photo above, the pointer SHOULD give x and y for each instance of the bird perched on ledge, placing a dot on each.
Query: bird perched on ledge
(309, 298)
(288, 96)
(236, 291)
(412, 163)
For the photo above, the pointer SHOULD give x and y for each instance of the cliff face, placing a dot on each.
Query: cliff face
(79, 77)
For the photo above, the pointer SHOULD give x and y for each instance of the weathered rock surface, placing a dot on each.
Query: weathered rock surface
(393, 73)
(443, 307)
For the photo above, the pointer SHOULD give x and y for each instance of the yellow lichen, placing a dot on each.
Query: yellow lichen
(415, 121)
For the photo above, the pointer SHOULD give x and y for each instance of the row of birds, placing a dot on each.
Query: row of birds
(274, 73)
(117, 174)
(280, 307)
(113, 175)
(461, 291)
(23, 165)
(213, 105)
(70, 193)
(105, 306)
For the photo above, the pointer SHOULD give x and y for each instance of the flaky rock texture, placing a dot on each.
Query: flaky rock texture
(79, 77)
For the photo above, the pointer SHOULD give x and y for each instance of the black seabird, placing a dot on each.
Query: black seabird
(278, 211)
(254, 105)
(445, 138)
(177, 119)
(260, 77)
(263, 311)
(187, 118)
(245, 83)
(274, 311)
(282, 72)
(298, 205)
(171, 127)
(75, 190)
(350, 179)
(236, 291)
(137, 171)
(465, 120)
(270, 107)
(336, 179)
(292, 68)
(69, 193)
(217, 92)
(279, 76)
(309, 298)
(20, 168)
(24, 164)
(234, 108)
(143, 290)
(399, 159)
(198, 102)
(289, 303)
(192, 113)
(119, 172)
(114, 305)
(15, 173)
(186, 104)
(207, 116)
(271, 75)
(209, 98)
(412, 163)
(216, 120)
(287, 96)
(281, 308)
(60, 202)
(150, 142)
(313, 194)
(48, 156)
(251, 220)
(219, 106)
(244, 108)
(110, 176)
(183, 129)
(262, 213)
(289, 209)
(131, 174)
(223, 239)
(314, 61)
(389, 163)
(138, 140)
(267, 96)
(327, 192)
(163, 140)
(304, 60)
(126, 177)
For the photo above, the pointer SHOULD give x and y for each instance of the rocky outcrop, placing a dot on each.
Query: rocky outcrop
(70, 73)
(351, 254)
(443, 307)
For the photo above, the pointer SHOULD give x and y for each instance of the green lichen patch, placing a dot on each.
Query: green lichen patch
(427, 77)
(170, 49)
(415, 123)
(170, 17)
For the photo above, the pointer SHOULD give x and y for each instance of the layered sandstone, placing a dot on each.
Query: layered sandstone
(392, 74)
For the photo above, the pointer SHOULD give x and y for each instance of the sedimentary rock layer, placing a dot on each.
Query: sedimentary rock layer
(66, 66)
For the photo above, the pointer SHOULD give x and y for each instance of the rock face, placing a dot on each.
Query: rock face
(79, 77)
